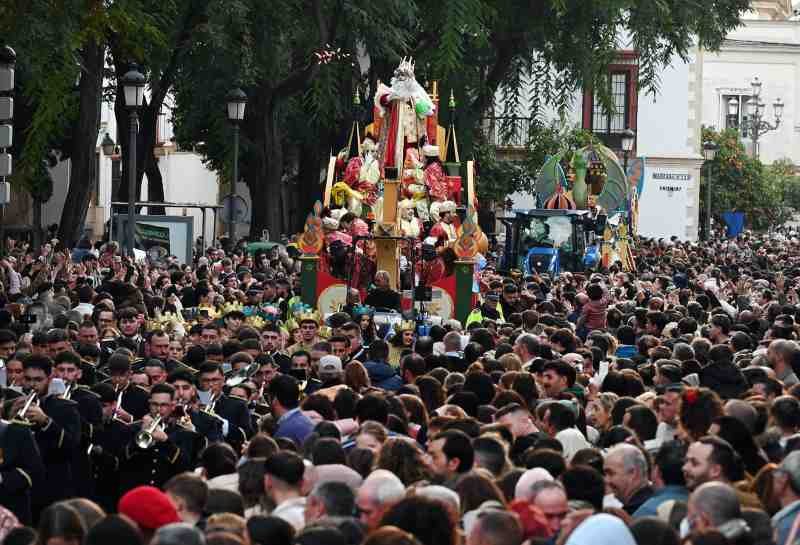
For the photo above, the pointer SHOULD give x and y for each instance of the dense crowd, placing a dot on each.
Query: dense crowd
(190, 404)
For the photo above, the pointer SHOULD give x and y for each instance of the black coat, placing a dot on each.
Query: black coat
(21, 469)
(59, 444)
(156, 465)
(136, 401)
(91, 412)
(207, 426)
(724, 378)
(108, 447)
(240, 425)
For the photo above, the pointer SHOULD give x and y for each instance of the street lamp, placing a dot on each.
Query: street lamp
(237, 101)
(753, 123)
(628, 138)
(108, 146)
(710, 149)
(133, 87)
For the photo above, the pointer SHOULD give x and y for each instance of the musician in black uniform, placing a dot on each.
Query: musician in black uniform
(207, 425)
(56, 426)
(134, 404)
(271, 344)
(67, 368)
(21, 468)
(130, 326)
(172, 448)
(107, 449)
(58, 341)
(237, 426)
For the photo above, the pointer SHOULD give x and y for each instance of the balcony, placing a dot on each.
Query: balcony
(508, 134)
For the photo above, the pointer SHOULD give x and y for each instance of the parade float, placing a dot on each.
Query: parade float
(393, 201)
(584, 220)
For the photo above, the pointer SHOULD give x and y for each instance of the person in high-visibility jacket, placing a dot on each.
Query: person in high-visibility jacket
(491, 309)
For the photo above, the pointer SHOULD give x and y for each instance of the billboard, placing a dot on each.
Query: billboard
(159, 236)
(664, 202)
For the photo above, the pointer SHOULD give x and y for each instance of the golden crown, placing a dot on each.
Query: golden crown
(232, 306)
(255, 321)
(213, 313)
(165, 321)
(405, 325)
(307, 316)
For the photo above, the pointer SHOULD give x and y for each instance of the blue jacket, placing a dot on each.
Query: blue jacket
(295, 425)
(626, 351)
(382, 375)
(669, 492)
(782, 522)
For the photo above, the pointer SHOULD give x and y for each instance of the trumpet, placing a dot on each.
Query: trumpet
(212, 402)
(182, 413)
(144, 439)
(68, 392)
(119, 404)
(22, 414)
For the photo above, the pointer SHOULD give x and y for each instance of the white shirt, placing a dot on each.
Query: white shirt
(293, 512)
(572, 440)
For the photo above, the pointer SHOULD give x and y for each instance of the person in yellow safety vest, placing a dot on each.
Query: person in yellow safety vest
(491, 309)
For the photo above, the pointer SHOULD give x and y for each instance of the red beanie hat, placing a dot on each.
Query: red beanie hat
(148, 507)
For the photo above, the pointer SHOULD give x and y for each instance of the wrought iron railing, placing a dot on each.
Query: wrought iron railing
(507, 131)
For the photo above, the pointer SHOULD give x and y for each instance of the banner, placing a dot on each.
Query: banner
(154, 240)
(663, 202)
(331, 294)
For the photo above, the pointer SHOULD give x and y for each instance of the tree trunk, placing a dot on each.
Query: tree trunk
(146, 159)
(273, 177)
(265, 185)
(84, 147)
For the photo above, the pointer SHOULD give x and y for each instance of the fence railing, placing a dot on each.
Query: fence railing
(507, 131)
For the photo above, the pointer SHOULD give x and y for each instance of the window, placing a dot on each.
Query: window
(608, 122)
(609, 125)
(729, 122)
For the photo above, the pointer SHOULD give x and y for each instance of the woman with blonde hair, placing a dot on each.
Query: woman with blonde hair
(511, 362)
(371, 436)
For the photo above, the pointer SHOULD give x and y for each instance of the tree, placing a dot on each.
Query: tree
(289, 57)
(161, 33)
(740, 182)
(479, 48)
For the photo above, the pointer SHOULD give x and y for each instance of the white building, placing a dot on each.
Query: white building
(186, 180)
(693, 95)
(767, 46)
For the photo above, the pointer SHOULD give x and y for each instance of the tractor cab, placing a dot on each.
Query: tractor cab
(549, 241)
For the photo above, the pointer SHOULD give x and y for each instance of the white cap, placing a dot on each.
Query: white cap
(429, 150)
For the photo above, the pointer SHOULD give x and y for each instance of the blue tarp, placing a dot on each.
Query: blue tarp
(734, 222)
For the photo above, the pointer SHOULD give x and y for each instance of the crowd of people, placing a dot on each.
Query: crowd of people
(190, 404)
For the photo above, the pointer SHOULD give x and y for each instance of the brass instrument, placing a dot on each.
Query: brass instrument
(68, 391)
(242, 375)
(212, 403)
(119, 404)
(144, 439)
(183, 415)
(22, 414)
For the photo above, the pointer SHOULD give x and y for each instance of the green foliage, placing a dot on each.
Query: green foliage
(498, 178)
(765, 193)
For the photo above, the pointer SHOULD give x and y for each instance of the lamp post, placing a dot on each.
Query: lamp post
(628, 138)
(754, 124)
(237, 101)
(108, 145)
(133, 86)
(710, 149)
